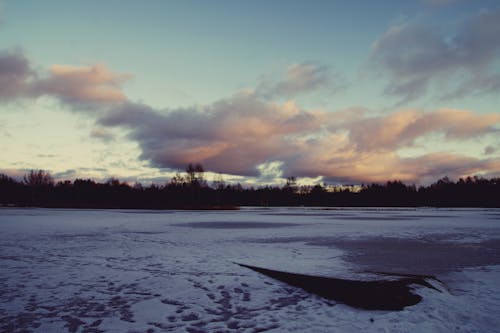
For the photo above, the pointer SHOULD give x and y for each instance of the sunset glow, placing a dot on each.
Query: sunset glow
(333, 92)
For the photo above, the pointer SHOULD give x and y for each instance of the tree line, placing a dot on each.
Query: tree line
(191, 191)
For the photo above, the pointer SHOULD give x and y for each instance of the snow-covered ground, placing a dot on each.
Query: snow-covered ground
(174, 271)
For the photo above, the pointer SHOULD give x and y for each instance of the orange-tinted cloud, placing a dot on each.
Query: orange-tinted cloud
(403, 128)
(81, 85)
(239, 134)
(76, 86)
(233, 135)
(358, 167)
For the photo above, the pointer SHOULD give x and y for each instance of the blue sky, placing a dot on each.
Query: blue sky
(335, 91)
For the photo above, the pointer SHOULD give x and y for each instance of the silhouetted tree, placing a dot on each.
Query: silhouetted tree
(291, 183)
(191, 191)
(177, 180)
(11, 192)
(195, 174)
(39, 184)
(219, 183)
(38, 178)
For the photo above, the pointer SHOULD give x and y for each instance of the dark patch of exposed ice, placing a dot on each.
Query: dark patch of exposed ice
(418, 256)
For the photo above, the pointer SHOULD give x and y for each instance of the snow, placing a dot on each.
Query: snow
(64, 270)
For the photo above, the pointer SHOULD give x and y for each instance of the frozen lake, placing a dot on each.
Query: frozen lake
(174, 271)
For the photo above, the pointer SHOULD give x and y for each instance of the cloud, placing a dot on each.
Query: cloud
(418, 58)
(249, 135)
(81, 85)
(243, 134)
(350, 166)
(403, 128)
(76, 86)
(438, 2)
(488, 150)
(16, 174)
(430, 167)
(83, 173)
(233, 135)
(2, 12)
(102, 134)
(339, 157)
(15, 72)
(301, 79)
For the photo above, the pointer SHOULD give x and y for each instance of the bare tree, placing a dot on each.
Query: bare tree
(38, 178)
(291, 184)
(195, 174)
(219, 183)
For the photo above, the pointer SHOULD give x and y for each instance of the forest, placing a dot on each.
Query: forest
(192, 191)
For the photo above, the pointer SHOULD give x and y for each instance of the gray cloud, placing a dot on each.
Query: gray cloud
(233, 135)
(246, 134)
(82, 173)
(417, 57)
(438, 2)
(488, 150)
(15, 73)
(2, 14)
(242, 135)
(66, 174)
(46, 155)
(301, 79)
(102, 134)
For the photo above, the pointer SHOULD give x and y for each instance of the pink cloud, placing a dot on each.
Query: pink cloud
(403, 128)
(238, 134)
(352, 166)
(76, 86)
(233, 135)
(81, 85)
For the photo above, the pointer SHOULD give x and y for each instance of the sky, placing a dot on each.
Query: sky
(337, 92)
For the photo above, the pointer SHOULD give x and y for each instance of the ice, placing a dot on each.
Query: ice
(67, 270)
